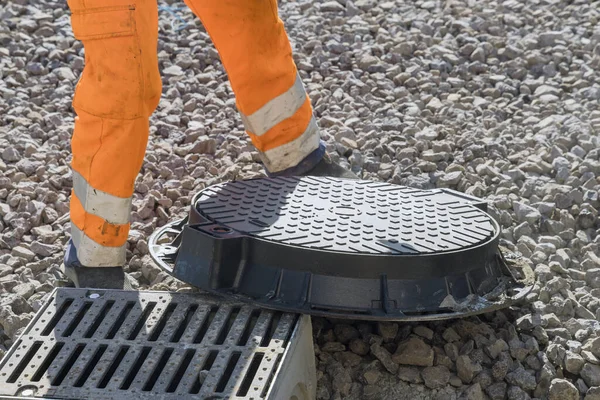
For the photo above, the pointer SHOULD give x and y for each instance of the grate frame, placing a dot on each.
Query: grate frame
(222, 247)
(240, 346)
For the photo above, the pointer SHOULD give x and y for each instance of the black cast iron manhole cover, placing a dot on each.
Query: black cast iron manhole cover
(347, 216)
(329, 246)
(152, 345)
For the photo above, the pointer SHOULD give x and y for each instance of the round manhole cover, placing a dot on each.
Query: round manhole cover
(346, 216)
(343, 248)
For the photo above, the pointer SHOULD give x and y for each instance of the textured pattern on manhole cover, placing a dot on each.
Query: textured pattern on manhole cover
(127, 345)
(344, 215)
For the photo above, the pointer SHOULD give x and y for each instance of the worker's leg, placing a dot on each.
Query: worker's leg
(118, 90)
(257, 56)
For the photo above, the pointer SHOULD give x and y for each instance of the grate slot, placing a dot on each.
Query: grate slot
(126, 359)
(24, 361)
(162, 309)
(141, 322)
(290, 331)
(90, 365)
(205, 324)
(113, 367)
(231, 316)
(273, 369)
(173, 325)
(57, 317)
(260, 329)
(132, 317)
(54, 368)
(119, 322)
(99, 319)
(187, 359)
(66, 367)
(47, 362)
(273, 323)
(82, 361)
(160, 366)
(233, 359)
(196, 321)
(189, 313)
(89, 316)
(283, 328)
(250, 324)
(148, 368)
(171, 367)
(77, 319)
(162, 322)
(250, 374)
(200, 374)
(135, 368)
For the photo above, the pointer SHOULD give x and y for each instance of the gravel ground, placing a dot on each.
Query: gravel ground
(499, 99)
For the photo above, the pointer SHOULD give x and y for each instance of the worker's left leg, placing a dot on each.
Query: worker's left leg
(273, 103)
(119, 88)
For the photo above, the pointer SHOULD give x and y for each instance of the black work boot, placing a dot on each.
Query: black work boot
(93, 277)
(98, 277)
(326, 167)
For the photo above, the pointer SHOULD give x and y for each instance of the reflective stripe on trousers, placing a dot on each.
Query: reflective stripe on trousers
(99, 224)
(120, 88)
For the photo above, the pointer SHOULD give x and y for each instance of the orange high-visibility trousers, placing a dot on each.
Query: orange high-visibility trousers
(120, 88)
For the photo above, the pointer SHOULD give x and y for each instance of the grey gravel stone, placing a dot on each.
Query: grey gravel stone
(410, 374)
(332, 6)
(358, 346)
(23, 253)
(592, 345)
(573, 362)
(590, 357)
(414, 351)
(562, 389)
(497, 391)
(496, 348)
(467, 368)
(450, 335)
(387, 330)
(332, 347)
(500, 368)
(591, 374)
(16, 302)
(516, 393)
(384, 357)
(43, 250)
(526, 213)
(522, 379)
(473, 392)
(423, 331)
(64, 73)
(345, 333)
(25, 290)
(436, 377)
(451, 351)
(10, 154)
(529, 321)
(593, 393)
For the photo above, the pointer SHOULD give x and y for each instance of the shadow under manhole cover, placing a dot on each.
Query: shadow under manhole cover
(344, 248)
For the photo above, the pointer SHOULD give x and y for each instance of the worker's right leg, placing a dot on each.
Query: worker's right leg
(274, 106)
(119, 88)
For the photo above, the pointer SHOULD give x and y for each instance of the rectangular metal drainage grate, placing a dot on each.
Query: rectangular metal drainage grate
(154, 345)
